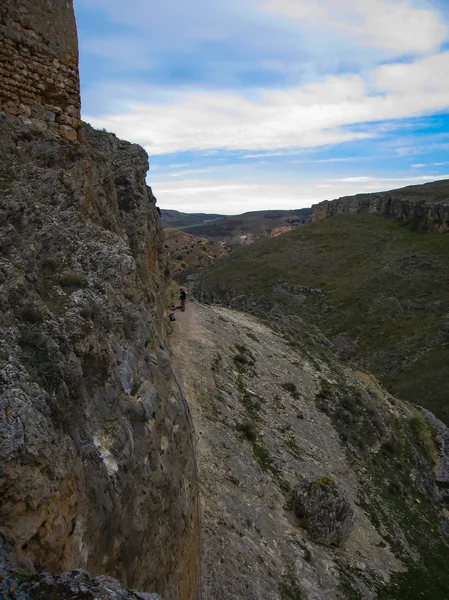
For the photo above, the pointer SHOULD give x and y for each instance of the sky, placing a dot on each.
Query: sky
(266, 104)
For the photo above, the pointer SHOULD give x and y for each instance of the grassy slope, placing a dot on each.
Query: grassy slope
(435, 191)
(386, 286)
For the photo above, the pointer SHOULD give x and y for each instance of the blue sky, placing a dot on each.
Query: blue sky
(257, 104)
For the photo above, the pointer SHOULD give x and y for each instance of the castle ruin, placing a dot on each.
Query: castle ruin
(39, 79)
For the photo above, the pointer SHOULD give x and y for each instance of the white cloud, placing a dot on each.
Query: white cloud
(309, 116)
(398, 26)
(190, 172)
(236, 198)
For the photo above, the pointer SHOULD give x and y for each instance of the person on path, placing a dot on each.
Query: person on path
(183, 298)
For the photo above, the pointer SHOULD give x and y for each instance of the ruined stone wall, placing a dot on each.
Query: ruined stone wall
(39, 78)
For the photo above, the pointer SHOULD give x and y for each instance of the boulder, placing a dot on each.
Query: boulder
(324, 509)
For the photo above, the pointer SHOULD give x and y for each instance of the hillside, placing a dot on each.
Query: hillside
(245, 229)
(379, 291)
(420, 207)
(316, 483)
(174, 218)
(188, 251)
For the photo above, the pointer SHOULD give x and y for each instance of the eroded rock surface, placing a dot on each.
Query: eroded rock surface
(96, 456)
(19, 581)
(325, 511)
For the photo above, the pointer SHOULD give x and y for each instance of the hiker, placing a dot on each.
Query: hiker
(183, 298)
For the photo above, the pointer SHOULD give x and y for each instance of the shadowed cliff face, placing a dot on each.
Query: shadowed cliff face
(96, 459)
(424, 207)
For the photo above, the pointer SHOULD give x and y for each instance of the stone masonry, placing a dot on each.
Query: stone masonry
(39, 79)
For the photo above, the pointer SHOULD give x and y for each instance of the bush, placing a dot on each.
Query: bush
(31, 314)
(350, 404)
(248, 430)
(390, 447)
(72, 279)
(49, 265)
(290, 387)
(241, 359)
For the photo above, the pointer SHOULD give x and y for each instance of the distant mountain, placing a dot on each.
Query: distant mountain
(174, 218)
(243, 230)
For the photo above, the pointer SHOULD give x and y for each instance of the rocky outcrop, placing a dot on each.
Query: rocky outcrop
(425, 208)
(324, 509)
(18, 584)
(96, 458)
(442, 435)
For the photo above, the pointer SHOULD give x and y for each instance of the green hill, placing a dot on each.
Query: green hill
(378, 291)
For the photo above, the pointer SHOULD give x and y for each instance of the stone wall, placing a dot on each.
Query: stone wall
(39, 78)
(420, 211)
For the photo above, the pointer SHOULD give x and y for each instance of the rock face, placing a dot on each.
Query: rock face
(39, 64)
(325, 511)
(425, 207)
(442, 434)
(96, 455)
(16, 584)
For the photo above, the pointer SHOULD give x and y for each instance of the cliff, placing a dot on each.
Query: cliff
(96, 457)
(424, 207)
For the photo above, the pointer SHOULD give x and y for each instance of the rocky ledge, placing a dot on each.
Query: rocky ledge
(425, 208)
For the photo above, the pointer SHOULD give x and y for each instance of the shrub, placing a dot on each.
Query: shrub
(248, 430)
(72, 279)
(390, 447)
(31, 314)
(241, 359)
(350, 404)
(290, 387)
(263, 457)
(49, 264)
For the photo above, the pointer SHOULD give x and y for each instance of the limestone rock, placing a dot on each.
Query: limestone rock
(18, 584)
(84, 403)
(442, 433)
(324, 509)
(412, 206)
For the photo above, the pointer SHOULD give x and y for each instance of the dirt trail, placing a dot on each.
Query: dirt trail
(253, 548)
